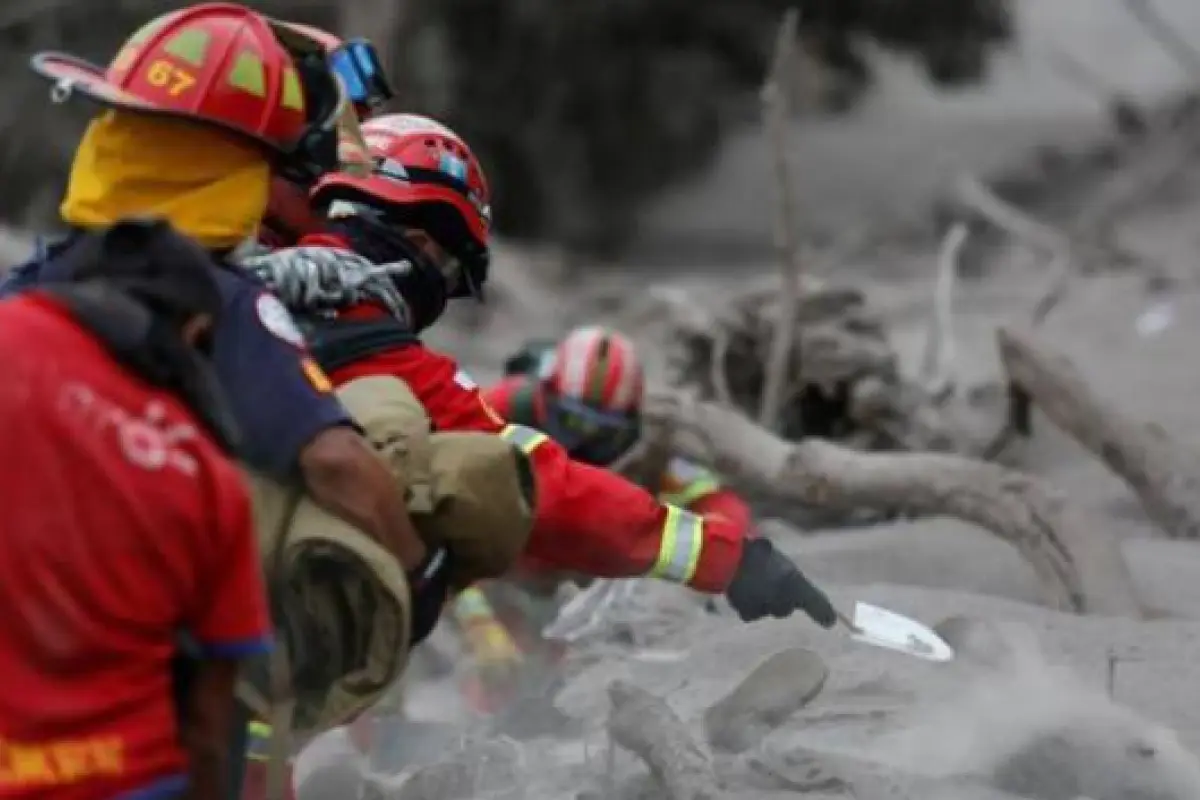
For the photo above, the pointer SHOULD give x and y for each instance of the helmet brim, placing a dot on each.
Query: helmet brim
(439, 212)
(74, 76)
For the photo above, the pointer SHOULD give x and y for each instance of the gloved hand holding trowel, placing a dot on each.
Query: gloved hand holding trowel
(768, 584)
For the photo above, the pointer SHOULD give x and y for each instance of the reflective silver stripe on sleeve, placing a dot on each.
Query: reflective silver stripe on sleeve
(682, 540)
(526, 439)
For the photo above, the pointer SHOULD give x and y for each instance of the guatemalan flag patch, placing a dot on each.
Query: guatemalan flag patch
(453, 166)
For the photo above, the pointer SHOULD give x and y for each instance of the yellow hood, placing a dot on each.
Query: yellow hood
(209, 184)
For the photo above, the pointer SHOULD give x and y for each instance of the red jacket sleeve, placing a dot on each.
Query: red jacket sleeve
(500, 395)
(588, 519)
(594, 521)
(725, 504)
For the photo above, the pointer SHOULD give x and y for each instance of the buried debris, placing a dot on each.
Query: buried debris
(780, 686)
(493, 768)
(645, 725)
(976, 640)
(817, 774)
(845, 377)
(1102, 760)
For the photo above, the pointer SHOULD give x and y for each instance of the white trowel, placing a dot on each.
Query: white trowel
(882, 628)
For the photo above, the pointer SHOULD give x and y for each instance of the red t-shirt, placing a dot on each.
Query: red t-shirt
(122, 524)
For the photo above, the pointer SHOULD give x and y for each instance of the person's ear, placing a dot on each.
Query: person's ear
(197, 332)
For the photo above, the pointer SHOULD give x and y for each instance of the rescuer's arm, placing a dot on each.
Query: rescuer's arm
(725, 504)
(209, 715)
(297, 428)
(595, 522)
(228, 621)
(344, 476)
(697, 489)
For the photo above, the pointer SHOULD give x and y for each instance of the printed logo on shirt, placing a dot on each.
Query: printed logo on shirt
(465, 381)
(60, 763)
(275, 317)
(316, 376)
(145, 439)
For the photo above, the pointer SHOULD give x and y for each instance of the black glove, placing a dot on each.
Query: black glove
(768, 584)
(429, 586)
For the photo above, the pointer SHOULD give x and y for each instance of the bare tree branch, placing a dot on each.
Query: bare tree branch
(1163, 473)
(776, 95)
(937, 363)
(1079, 563)
(1009, 218)
(645, 725)
(1166, 35)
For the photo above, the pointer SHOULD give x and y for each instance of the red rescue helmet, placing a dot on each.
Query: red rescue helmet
(224, 65)
(591, 395)
(598, 368)
(424, 177)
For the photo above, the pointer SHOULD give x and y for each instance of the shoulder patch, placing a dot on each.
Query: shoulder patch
(275, 317)
(316, 376)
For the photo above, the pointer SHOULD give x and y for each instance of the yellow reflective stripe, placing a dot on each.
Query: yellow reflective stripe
(471, 604)
(258, 739)
(682, 540)
(701, 487)
(526, 439)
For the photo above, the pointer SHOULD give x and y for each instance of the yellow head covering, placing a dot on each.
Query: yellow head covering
(207, 183)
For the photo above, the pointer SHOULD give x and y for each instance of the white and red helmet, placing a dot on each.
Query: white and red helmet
(592, 390)
(597, 368)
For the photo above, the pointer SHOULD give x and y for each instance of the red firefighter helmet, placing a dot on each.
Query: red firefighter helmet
(224, 65)
(425, 176)
(327, 40)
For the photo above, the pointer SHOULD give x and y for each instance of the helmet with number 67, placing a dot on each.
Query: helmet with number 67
(224, 65)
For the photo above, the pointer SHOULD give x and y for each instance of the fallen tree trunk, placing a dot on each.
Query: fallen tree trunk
(1164, 474)
(1080, 567)
(645, 725)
